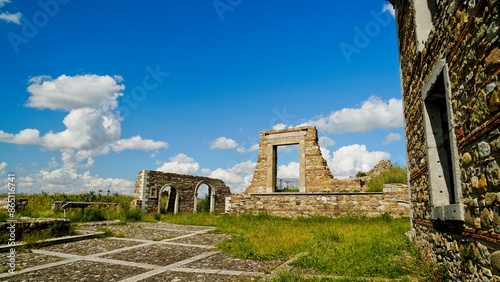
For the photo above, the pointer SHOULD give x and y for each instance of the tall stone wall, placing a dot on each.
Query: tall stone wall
(393, 201)
(149, 185)
(315, 176)
(463, 42)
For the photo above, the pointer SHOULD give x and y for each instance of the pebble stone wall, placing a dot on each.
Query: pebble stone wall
(149, 186)
(393, 201)
(465, 35)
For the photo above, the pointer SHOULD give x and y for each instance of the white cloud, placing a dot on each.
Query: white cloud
(223, 143)
(391, 137)
(390, 8)
(254, 147)
(137, 143)
(237, 177)
(3, 165)
(325, 142)
(3, 2)
(181, 164)
(288, 171)
(373, 113)
(348, 160)
(287, 148)
(74, 92)
(279, 126)
(93, 128)
(12, 18)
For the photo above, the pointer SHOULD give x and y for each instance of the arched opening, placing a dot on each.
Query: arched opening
(204, 198)
(168, 201)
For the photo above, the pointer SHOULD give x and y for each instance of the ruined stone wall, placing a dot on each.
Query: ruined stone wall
(394, 202)
(465, 37)
(149, 184)
(314, 172)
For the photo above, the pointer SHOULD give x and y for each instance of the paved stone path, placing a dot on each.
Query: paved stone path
(185, 255)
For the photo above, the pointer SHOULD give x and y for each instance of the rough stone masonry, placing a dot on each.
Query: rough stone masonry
(449, 54)
(319, 192)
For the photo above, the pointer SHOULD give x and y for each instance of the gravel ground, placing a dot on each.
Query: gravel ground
(26, 260)
(80, 271)
(185, 276)
(160, 254)
(139, 253)
(90, 247)
(202, 239)
(225, 261)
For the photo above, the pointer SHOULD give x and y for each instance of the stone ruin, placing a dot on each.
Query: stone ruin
(449, 54)
(314, 173)
(183, 191)
(319, 191)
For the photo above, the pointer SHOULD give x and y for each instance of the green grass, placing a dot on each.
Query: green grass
(348, 247)
(396, 174)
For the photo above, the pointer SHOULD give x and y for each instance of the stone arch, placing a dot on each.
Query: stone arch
(211, 193)
(174, 200)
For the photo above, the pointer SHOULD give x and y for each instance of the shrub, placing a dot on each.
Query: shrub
(203, 205)
(157, 216)
(360, 174)
(134, 214)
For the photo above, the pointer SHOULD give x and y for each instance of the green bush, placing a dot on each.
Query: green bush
(157, 216)
(134, 214)
(360, 174)
(396, 174)
(203, 205)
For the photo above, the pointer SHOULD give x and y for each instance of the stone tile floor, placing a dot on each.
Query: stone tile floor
(148, 252)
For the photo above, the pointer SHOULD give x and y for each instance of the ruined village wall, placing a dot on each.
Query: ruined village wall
(315, 176)
(149, 185)
(466, 37)
(393, 201)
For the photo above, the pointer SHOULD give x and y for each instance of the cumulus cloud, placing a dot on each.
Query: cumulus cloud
(237, 177)
(3, 165)
(390, 8)
(391, 137)
(243, 149)
(325, 142)
(11, 18)
(223, 143)
(290, 170)
(74, 92)
(137, 143)
(93, 125)
(279, 126)
(348, 160)
(181, 164)
(373, 113)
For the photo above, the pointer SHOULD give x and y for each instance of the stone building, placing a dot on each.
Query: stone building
(182, 191)
(449, 54)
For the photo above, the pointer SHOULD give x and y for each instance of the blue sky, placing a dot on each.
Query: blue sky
(94, 91)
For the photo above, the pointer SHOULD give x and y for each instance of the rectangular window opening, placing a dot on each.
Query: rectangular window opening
(442, 151)
(440, 144)
(287, 168)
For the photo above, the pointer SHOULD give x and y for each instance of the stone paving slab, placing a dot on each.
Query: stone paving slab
(90, 247)
(27, 260)
(140, 232)
(160, 254)
(174, 276)
(203, 239)
(226, 262)
(186, 257)
(79, 271)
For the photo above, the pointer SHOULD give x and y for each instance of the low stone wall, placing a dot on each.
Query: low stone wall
(21, 204)
(57, 205)
(333, 204)
(29, 225)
